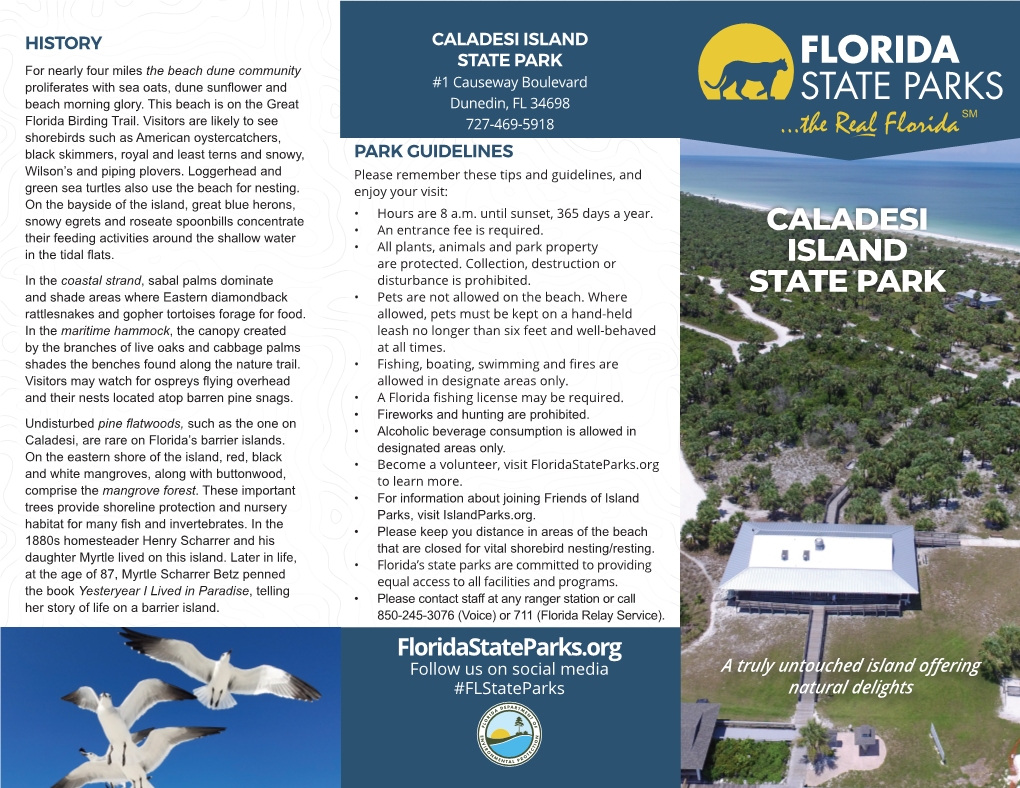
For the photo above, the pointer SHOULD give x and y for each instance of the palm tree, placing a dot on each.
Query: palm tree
(747, 352)
(908, 486)
(793, 500)
(758, 448)
(856, 510)
(707, 513)
(820, 487)
(734, 487)
(815, 738)
(721, 536)
(834, 454)
(691, 533)
(870, 430)
(755, 335)
(972, 483)
(995, 513)
(949, 488)
(813, 513)
(1014, 389)
(931, 489)
(769, 497)
(737, 519)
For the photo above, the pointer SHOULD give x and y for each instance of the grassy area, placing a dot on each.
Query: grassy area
(966, 594)
(745, 760)
(732, 325)
(694, 347)
(745, 696)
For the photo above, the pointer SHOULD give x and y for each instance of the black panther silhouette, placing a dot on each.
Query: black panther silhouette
(742, 72)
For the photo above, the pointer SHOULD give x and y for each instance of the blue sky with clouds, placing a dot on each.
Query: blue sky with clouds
(269, 741)
(1004, 151)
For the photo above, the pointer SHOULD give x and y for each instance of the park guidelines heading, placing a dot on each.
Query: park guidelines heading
(833, 280)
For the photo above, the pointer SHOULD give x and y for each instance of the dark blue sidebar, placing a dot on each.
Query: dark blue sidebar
(604, 703)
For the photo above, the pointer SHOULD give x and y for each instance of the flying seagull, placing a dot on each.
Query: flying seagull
(136, 737)
(221, 679)
(117, 720)
(141, 761)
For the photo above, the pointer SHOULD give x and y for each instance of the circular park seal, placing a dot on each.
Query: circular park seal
(509, 734)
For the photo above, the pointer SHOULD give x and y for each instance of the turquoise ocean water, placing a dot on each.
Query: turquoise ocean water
(980, 202)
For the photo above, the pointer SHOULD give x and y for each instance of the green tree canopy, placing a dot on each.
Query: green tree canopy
(1000, 653)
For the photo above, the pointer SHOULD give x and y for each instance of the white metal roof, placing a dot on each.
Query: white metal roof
(987, 298)
(854, 559)
(838, 552)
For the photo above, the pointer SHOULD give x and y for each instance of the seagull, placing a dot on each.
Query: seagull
(220, 677)
(137, 738)
(117, 720)
(140, 763)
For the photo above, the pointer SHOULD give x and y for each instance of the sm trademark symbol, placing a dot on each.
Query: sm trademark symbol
(970, 113)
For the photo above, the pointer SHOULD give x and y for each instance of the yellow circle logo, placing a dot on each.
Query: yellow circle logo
(746, 62)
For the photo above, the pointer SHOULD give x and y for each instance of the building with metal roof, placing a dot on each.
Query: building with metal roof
(978, 299)
(697, 723)
(823, 562)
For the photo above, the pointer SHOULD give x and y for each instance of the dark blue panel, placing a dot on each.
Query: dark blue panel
(616, 729)
(641, 64)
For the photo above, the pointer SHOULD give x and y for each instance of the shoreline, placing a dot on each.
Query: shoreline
(955, 240)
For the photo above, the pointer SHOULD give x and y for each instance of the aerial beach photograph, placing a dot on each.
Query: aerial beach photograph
(852, 533)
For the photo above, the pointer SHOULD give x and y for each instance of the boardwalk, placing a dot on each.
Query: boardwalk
(936, 539)
(835, 503)
(806, 704)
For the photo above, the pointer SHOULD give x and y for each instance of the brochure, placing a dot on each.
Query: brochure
(454, 393)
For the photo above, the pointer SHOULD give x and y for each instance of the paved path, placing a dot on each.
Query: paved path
(710, 629)
(758, 734)
(784, 337)
(849, 759)
(994, 541)
(733, 344)
(782, 332)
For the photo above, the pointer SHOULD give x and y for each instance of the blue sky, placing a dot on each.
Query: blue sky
(269, 741)
(1004, 151)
